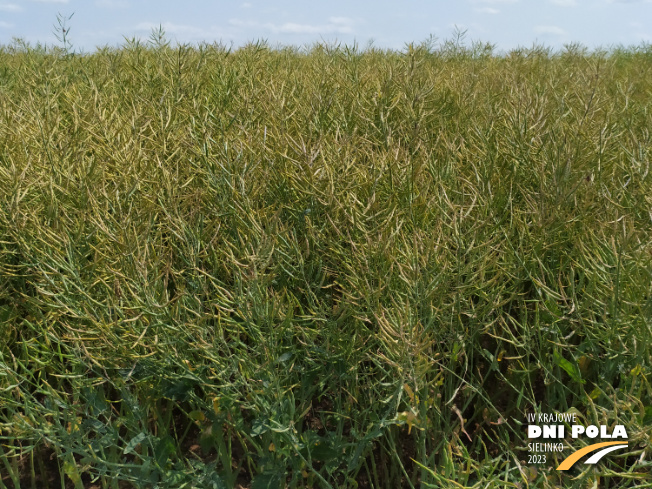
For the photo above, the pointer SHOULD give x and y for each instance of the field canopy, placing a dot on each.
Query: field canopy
(320, 267)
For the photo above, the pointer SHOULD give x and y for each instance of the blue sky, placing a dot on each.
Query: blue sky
(391, 24)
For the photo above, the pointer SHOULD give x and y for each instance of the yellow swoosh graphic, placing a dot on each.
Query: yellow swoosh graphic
(574, 457)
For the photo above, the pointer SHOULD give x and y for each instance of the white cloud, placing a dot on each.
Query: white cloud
(487, 10)
(10, 7)
(117, 4)
(335, 25)
(564, 3)
(293, 28)
(5, 25)
(549, 30)
(51, 1)
(245, 5)
(243, 23)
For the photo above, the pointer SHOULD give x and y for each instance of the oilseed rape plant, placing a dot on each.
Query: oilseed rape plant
(322, 267)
